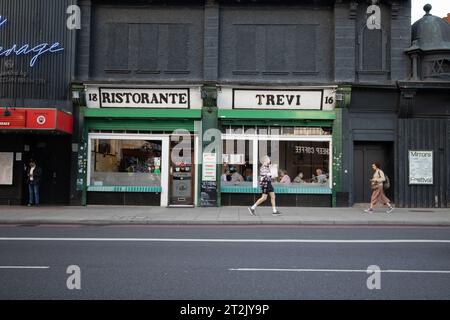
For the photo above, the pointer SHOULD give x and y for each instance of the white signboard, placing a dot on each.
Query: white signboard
(124, 97)
(209, 167)
(6, 168)
(300, 98)
(420, 167)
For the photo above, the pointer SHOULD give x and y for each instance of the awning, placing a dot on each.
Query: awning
(35, 119)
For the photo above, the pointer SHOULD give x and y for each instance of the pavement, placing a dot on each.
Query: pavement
(117, 215)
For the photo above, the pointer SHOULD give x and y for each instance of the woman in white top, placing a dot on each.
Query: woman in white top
(266, 187)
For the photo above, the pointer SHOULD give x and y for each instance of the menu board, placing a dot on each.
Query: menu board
(208, 196)
(6, 168)
(420, 167)
(209, 167)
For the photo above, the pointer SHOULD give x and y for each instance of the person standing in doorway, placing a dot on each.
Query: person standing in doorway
(266, 187)
(378, 195)
(34, 175)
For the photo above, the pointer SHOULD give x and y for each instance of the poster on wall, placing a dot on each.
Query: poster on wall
(6, 168)
(420, 167)
(209, 167)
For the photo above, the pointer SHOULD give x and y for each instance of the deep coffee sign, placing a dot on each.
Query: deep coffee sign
(35, 51)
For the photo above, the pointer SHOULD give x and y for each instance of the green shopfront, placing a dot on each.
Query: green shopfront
(298, 127)
(139, 145)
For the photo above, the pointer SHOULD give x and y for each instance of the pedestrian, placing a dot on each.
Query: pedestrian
(378, 195)
(266, 187)
(34, 175)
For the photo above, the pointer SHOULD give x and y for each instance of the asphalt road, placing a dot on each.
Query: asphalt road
(224, 262)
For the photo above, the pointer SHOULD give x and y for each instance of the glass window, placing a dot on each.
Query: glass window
(125, 162)
(298, 163)
(237, 163)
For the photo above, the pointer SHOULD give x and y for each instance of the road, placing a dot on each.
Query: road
(224, 262)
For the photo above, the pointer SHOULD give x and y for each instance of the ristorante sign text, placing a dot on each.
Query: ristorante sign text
(138, 98)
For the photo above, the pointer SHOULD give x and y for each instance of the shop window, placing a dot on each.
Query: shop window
(305, 163)
(300, 158)
(237, 163)
(125, 162)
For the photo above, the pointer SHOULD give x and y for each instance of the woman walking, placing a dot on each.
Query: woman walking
(378, 195)
(266, 187)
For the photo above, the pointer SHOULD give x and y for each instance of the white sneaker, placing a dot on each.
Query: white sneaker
(390, 209)
(252, 211)
(368, 210)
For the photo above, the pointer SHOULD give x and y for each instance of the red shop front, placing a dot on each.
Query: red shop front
(42, 134)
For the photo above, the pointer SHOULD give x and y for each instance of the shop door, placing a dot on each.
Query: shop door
(366, 153)
(52, 154)
(181, 172)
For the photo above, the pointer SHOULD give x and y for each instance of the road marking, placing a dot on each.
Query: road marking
(340, 270)
(228, 240)
(24, 267)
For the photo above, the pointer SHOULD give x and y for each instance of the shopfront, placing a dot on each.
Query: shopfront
(140, 145)
(43, 135)
(294, 126)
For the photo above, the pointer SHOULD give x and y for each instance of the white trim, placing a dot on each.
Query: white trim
(342, 270)
(231, 240)
(196, 164)
(255, 138)
(230, 136)
(127, 136)
(164, 138)
(165, 172)
(89, 153)
(330, 165)
(255, 163)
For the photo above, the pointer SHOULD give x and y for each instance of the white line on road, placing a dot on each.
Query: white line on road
(229, 240)
(24, 267)
(340, 270)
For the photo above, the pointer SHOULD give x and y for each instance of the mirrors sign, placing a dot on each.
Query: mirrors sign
(420, 167)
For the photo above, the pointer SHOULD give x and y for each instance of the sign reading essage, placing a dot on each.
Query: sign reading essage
(138, 98)
(281, 99)
(420, 167)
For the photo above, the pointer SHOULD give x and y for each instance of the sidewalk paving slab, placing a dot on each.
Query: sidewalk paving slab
(110, 215)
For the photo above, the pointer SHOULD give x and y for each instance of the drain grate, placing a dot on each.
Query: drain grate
(422, 211)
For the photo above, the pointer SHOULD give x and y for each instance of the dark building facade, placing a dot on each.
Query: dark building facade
(313, 84)
(324, 87)
(37, 51)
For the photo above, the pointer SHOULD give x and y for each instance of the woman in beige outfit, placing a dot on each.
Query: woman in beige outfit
(378, 190)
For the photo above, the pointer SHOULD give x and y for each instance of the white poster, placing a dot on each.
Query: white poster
(209, 167)
(420, 167)
(6, 168)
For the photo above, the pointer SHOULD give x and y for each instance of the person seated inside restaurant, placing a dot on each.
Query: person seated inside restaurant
(248, 175)
(235, 176)
(299, 178)
(226, 176)
(285, 179)
(320, 177)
